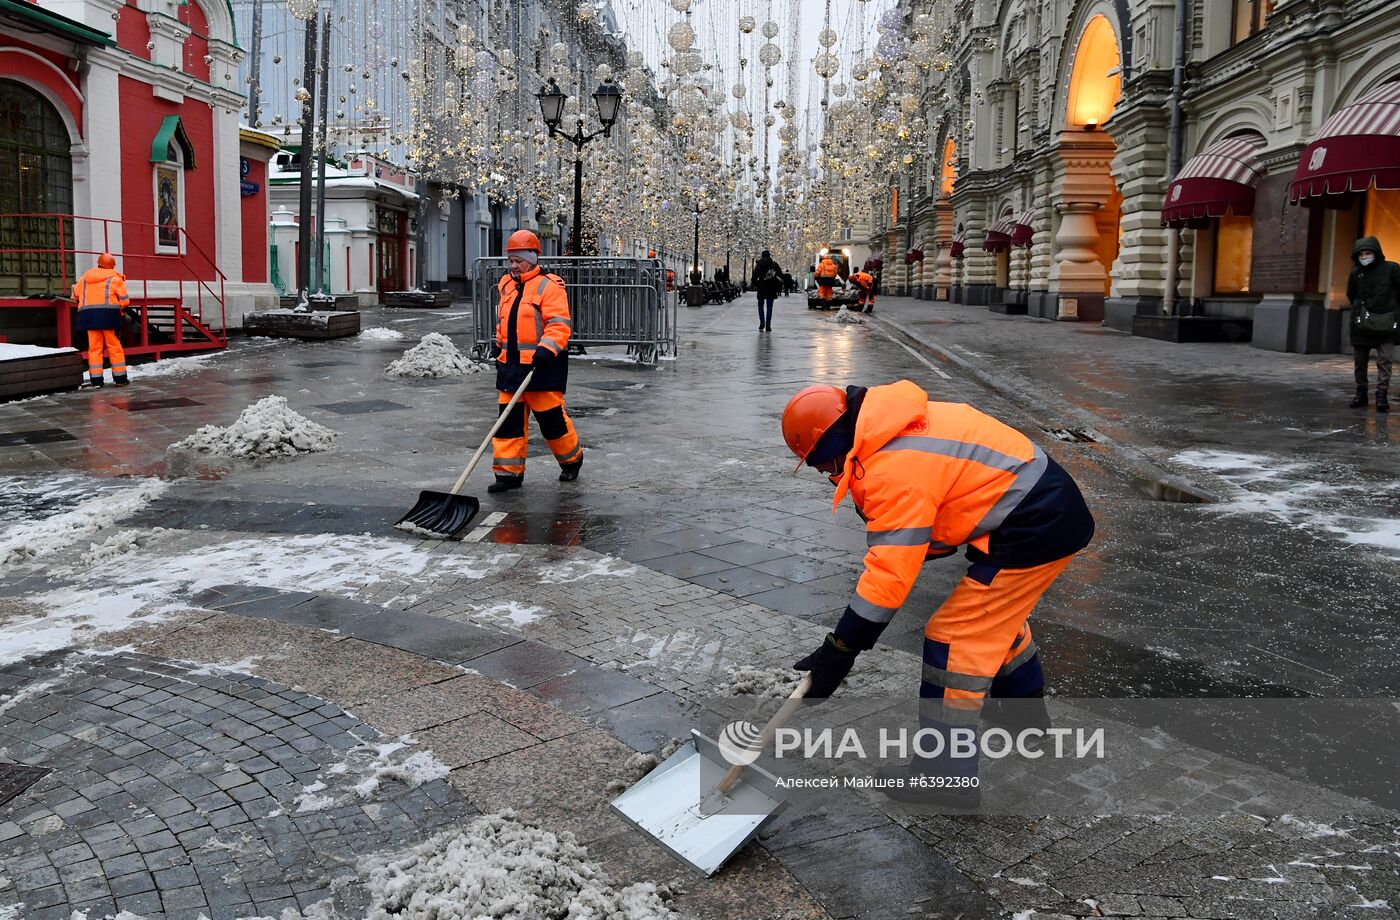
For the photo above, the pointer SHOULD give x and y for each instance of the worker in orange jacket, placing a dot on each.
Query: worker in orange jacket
(929, 478)
(101, 295)
(864, 283)
(532, 333)
(826, 275)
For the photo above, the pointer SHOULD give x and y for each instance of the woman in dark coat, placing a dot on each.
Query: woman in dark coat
(768, 282)
(1373, 288)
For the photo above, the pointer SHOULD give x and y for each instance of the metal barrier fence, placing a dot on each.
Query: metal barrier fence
(612, 301)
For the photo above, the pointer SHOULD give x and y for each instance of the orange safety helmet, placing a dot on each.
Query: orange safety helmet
(807, 417)
(651, 253)
(524, 239)
(106, 260)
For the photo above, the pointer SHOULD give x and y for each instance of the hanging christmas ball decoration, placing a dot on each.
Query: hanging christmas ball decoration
(304, 10)
(861, 71)
(826, 37)
(587, 13)
(739, 91)
(769, 55)
(602, 73)
(838, 89)
(680, 36)
(770, 29)
(747, 24)
(680, 6)
(827, 65)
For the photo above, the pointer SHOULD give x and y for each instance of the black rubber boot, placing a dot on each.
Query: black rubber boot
(1382, 401)
(92, 385)
(568, 472)
(505, 484)
(1359, 402)
(121, 380)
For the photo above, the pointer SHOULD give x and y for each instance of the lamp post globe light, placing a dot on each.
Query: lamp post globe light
(608, 98)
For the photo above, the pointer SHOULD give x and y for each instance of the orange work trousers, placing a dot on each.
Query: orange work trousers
(511, 442)
(979, 641)
(105, 342)
(824, 291)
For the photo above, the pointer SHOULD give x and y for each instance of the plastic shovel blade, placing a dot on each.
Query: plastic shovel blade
(673, 803)
(440, 515)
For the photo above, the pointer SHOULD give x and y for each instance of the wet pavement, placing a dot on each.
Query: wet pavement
(580, 623)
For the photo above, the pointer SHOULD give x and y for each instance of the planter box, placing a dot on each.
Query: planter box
(422, 300)
(29, 370)
(288, 324)
(339, 302)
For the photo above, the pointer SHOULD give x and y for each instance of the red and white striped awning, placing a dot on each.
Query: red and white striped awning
(1358, 147)
(998, 238)
(959, 246)
(1219, 181)
(1024, 230)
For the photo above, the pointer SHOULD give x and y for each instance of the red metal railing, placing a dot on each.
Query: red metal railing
(198, 282)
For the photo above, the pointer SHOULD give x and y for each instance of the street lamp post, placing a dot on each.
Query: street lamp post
(695, 275)
(608, 98)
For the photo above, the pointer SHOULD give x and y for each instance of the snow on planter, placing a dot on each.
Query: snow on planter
(433, 356)
(267, 428)
(499, 867)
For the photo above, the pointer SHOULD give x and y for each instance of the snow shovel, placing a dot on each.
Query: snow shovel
(703, 827)
(447, 515)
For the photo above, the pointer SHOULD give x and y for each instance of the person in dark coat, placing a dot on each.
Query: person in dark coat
(1373, 289)
(768, 282)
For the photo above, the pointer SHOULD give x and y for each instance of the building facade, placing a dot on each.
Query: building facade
(122, 134)
(1047, 186)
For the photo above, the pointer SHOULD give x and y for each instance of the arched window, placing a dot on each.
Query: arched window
(949, 172)
(1096, 84)
(36, 178)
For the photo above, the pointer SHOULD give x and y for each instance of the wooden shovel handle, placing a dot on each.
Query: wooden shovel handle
(500, 420)
(769, 730)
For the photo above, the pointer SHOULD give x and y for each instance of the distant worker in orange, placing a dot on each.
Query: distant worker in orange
(827, 273)
(101, 296)
(532, 332)
(864, 283)
(927, 478)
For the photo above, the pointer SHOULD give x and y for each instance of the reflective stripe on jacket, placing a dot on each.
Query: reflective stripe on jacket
(533, 313)
(929, 477)
(101, 294)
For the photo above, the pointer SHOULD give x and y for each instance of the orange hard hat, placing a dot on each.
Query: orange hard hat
(106, 260)
(651, 253)
(807, 417)
(523, 239)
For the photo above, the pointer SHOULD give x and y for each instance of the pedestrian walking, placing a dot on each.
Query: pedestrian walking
(532, 332)
(101, 296)
(789, 283)
(767, 282)
(928, 478)
(1373, 289)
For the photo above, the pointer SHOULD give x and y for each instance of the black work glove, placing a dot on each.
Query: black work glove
(829, 666)
(543, 356)
(495, 351)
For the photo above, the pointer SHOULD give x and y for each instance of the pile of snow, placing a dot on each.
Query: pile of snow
(761, 682)
(848, 317)
(578, 569)
(13, 352)
(170, 367)
(433, 356)
(637, 766)
(267, 428)
(24, 542)
(373, 765)
(499, 867)
(380, 334)
(119, 544)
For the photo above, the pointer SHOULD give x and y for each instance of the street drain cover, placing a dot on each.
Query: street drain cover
(1072, 435)
(15, 778)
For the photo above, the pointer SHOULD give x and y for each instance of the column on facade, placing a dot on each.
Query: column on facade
(941, 243)
(1084, 184)
(1140, 170)
(979, 265)
(1042, 254)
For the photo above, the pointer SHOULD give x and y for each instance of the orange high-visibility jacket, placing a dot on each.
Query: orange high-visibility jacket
(826, 272)
(864, 281)
(533, 313)
(101, 294)
(927, 477)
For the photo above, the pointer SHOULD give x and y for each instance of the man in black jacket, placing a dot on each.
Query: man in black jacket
(768, 282)
(1373, 288)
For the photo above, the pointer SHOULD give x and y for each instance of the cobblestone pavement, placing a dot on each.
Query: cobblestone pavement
(582, 623)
